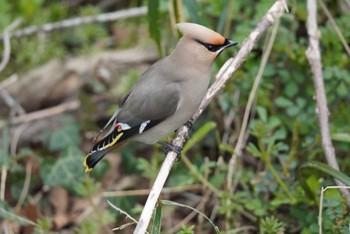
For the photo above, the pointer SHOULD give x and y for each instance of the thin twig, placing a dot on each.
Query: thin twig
(9, 81)
(143, 192)
(222, 77)
(7, 45)
(64, 107)
(335, 26)
(8, 99)
(252, 96)
(122, 211)
(191, 215)
(26, 184)
(314, 57)
(78, 21)
(16, 137)
(155, 192)
(3, 182)
(14, 106)
(320, 209)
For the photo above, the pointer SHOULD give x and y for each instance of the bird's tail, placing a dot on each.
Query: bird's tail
(94, 157)
(101, 149)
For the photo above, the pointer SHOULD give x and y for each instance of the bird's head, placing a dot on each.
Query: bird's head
(202, 43)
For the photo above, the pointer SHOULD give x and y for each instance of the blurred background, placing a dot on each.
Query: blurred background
(63, 81)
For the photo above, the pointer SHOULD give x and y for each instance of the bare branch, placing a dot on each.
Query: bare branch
(7, 45)
(8, 99)
(314, 57)
(106, 17)
(335, 26)
(320, 209)
(61, 108)
(222, 77)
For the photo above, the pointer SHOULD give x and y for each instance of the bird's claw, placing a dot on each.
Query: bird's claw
(189, 124)
(172, 148)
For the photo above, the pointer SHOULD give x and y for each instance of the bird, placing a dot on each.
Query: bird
(167, 94)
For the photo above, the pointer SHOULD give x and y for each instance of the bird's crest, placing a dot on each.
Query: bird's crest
(201, 33)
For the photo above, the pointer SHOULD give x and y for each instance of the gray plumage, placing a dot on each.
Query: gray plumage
(167, 94)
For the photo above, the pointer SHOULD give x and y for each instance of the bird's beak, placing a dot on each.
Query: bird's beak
(228, 43)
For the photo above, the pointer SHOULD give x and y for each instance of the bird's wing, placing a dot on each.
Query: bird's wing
(140, 110)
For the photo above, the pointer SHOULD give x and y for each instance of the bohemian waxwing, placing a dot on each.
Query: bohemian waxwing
(166, 95)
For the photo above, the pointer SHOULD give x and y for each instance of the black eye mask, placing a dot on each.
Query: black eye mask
(214, 48)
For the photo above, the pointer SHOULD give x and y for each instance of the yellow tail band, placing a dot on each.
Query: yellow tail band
(115, 140)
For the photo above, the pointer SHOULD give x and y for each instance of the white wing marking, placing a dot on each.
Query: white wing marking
(143, 126)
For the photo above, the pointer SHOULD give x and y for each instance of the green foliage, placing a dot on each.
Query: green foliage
(5, 146)
(172, 203)
(7, 213)
(53, 45)
(199, 135)
(150, 168)
(154, 22)
(95, 223)
(304, 176)
(66, 171)
(279, 175)
(65, 137)
(186, 230)
(157, 219)
(43, 226)
(335, 216)
(271, 225)
(88, 187)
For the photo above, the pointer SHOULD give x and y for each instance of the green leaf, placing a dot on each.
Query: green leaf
(291, 89)
(218, 179)
(256, 206)
(262, 113)
(5, 146)
(227, 148)
(223, 16)
(154, 22)
(157, 219)
(344, 137)
(29, 8)
(65, 137)
(193, 10)
(253, 150)
(67, 171)
(308, 168)
(6, 214)
(293, 110)
(199, 135)
(283, 102)
(342, 90)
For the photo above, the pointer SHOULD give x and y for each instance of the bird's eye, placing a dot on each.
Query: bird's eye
(210, 47)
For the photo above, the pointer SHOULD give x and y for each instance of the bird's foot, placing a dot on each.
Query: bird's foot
(189, 125)
(168, 148)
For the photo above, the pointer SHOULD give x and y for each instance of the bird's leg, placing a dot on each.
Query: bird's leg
(169, 147)
(189, 125)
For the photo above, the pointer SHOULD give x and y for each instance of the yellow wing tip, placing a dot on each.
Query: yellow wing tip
(87, 168)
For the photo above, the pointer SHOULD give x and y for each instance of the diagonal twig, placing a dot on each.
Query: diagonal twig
(222, 77)
(73, 22)
(8, 99)
(314, 56)
(335, 26)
